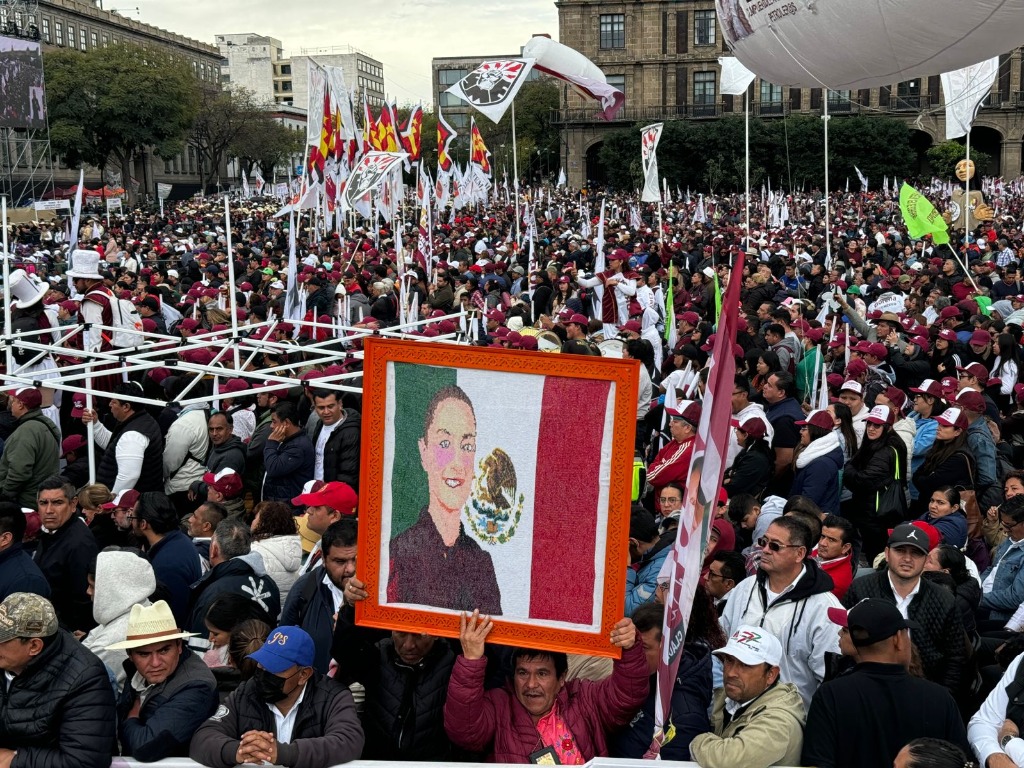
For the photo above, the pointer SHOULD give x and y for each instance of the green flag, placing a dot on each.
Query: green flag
(670, 312)
(921, 217)
(718, 299)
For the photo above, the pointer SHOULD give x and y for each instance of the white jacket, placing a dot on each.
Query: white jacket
(983, 728)
(282, 557)
(123, 579)
(798, 618)
(187, 435)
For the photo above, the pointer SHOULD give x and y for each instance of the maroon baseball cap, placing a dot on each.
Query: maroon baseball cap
(980, 338)
(30, 397)
(753, 426)
(71, 444)
(226, 482)
(77, 406)
(929, 387)
(878, 350)
(947, 334)
(970, 400)
(576, 319)
(977, 370)
(948, 313)
(921, 342)
(632, 326)
(125, 499)
(821, 419)
(953, 417)
(689, 413)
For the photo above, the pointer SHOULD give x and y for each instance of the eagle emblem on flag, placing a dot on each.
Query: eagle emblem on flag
(491, 87)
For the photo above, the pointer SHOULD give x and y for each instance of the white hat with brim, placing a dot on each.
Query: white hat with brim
(85, 264)
(27, 291)
(148, 624)
(752, 645)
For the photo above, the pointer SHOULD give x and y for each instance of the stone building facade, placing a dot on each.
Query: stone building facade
(663, 54)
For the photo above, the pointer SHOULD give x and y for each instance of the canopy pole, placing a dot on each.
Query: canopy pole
(7, 283)
(232, 302)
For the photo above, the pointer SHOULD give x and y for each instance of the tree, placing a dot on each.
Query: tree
(265, 143)
(222, 116)
(108, 104)
(944, 157)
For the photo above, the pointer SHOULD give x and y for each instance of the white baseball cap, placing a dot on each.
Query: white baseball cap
(752, 645)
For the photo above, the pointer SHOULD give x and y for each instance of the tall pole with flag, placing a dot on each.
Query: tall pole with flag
(707, 467)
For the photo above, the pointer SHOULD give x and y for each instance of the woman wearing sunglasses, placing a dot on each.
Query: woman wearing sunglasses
(874, 468)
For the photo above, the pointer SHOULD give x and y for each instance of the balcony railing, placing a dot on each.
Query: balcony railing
(770, 108)
(909, 103)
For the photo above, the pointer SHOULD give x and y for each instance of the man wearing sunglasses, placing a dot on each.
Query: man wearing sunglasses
(789, 596)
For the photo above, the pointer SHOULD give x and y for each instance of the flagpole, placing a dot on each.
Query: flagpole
(746, 157)
(828, 215)
(515, 173)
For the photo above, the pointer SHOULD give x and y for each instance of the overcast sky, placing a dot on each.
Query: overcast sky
(403, 34)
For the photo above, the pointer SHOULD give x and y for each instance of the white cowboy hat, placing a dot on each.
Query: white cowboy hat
(85, 264)
(148, 624)
(26, 290)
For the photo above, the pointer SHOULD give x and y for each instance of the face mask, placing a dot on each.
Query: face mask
(269, 687)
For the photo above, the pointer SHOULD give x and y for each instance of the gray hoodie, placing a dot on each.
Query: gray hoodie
(123, 579)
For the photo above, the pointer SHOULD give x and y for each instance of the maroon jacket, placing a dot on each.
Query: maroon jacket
(496, 723)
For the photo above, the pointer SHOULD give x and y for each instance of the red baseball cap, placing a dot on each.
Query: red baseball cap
(337, 495)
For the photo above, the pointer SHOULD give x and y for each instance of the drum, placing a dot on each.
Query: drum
(548, 341)
(612, 348)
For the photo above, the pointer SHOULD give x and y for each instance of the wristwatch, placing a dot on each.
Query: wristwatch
(1006, 739)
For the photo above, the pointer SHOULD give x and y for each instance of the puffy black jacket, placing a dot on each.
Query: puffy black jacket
(66, 557)
(59, 712)
(403, 716)
(243, 575)
(327, 730)
(229, 455)
(341, 452)
(173, 710)
(151, 478)
(940, 639)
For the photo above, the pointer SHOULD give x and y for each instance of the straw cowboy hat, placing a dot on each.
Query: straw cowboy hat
(149, 624)
(85, 264)
(26, 290)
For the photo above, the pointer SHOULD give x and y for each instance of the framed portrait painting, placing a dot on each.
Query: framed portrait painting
(497, 480)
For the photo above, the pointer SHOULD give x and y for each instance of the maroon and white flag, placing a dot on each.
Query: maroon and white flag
(707, 467)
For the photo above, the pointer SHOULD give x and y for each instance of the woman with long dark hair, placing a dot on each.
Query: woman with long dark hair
(948, 462)
(948, 558)
(843, 419)
(871, 470)
(946, 356)
(1006, 367)
(564, 291)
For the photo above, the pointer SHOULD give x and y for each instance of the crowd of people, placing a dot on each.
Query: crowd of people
(193, 592)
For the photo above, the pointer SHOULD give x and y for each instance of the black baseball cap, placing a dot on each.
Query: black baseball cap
(871, 620)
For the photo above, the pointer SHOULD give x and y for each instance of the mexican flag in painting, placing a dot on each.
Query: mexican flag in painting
(527, 477)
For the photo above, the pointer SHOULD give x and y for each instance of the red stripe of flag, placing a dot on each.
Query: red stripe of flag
(565, 511)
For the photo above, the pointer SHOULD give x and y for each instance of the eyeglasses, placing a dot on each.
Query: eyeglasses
(712, 574)
(965, 375)
(669, 500)
(775, 546)
(1008, 526)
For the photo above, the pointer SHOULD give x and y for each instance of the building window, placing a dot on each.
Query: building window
(771, 94)
(58, 29)
(286, 86)
(704, 87)
(94, 40)
(286, 69)
(616, 81)
(450, 76)
(46, 29)
(106, 40)
(71, 35)
(612, 27)
(446, 99)
(703, 27)
(81, 39)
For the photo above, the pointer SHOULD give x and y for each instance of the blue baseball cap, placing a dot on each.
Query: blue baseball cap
(285, 648)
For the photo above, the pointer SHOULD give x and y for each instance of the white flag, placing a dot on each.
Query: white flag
(863, 179)
(735, 77)
(963, 91)
(649, 138)
(491, 87)
(561, 177)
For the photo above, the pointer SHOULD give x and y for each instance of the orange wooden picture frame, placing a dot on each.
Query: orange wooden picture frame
(624, 374)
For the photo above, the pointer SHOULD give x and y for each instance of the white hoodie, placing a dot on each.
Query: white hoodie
(123, 579)
(282, 557)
